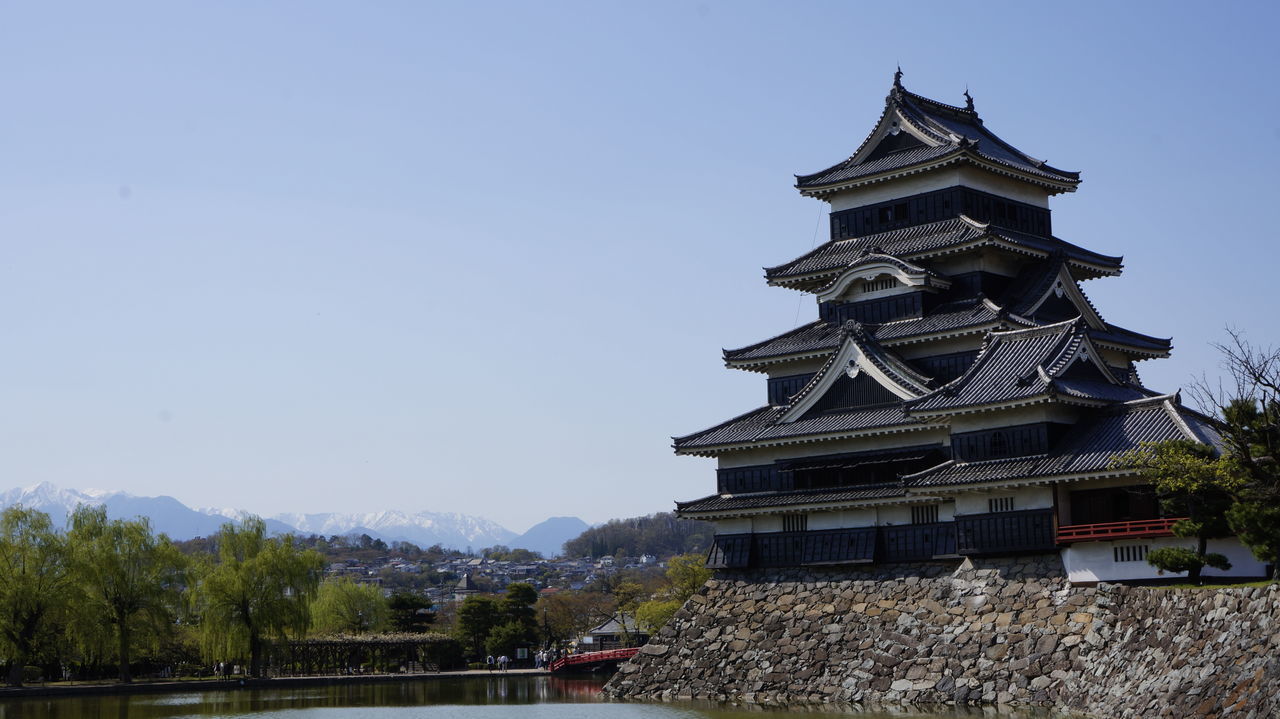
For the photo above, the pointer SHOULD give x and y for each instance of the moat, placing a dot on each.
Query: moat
(471, 697)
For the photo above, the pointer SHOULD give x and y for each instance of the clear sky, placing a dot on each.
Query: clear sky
(482, 257)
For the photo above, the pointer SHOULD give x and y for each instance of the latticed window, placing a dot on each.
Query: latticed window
(795, 522)
(881, 284)
(928, 514)
(1000, 504)
(1130, 552)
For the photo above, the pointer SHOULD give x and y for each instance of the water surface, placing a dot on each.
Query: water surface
(484, 697)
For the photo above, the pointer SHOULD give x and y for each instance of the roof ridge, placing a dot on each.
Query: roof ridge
(731, 420)
(747, 348)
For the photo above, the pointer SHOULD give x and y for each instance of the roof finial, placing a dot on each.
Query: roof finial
(968, 100)
(897, 77)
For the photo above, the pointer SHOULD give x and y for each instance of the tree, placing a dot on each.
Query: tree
(687, 573)
(568, 614)
(34, 583)
(477, 616)
(344, 606)
(259, 588)
(125, 575)
(1191, 481)
(1248, 411)
(662, 535)
(410, 612)
(685, 576)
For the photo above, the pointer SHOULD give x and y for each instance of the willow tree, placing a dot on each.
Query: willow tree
(125, 575)
(344, 606)
(258, 588)
(34, 583)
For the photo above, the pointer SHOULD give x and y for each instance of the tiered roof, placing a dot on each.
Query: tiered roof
(1019, 367)
(813, 270)
(1092, 449)
(1094, 446)
(915, 134)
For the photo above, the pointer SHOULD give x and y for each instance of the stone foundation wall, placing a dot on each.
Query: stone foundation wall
(1010, 631)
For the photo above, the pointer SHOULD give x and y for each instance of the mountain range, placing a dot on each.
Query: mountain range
(168, 515)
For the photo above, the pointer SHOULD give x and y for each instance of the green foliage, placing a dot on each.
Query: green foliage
(503, 553)
(343, 606)
(654, 614)
(1191, 481)
(504, 638)
(1181, 559)
(35, 580)
(259, 588)
(685, 576)
(477, 616)
(410, 612)
(127, 577)
(687, 573)
(662, 535)
(1256, 520)
(570, 614)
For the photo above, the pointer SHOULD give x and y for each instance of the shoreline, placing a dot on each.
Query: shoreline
(205, 685)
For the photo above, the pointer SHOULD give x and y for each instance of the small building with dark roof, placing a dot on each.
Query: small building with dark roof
(958, 395)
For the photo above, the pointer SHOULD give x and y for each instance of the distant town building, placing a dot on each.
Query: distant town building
(616, 631)
(464, 588)
(958, 394)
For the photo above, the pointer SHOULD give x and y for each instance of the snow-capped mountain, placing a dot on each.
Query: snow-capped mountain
(167, 514)
(422, 528)
(179, 521)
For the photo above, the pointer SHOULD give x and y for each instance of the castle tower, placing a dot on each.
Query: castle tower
(958, 393)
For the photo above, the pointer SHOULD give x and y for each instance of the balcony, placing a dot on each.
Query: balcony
(1137, 529)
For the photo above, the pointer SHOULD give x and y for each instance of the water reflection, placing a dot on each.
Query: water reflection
(486, 697)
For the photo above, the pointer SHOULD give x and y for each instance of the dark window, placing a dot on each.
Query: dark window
(757, 478)
(1114, 504)
(945, 368)
(1018, 441)
(781, 388)
(935, 206)
(874, 311)
(999, 444)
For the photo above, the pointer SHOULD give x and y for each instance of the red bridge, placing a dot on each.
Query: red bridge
(591, 661)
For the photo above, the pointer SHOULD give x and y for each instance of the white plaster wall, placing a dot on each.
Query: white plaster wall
(1095, 561)
(937, 180)
(738, 525)
(843, 519)
(1023, 498)
(766, 523)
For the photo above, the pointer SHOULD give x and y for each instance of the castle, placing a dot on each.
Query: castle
(958, 394)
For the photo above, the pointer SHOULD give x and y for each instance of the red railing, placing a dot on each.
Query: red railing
(1117, 530)
(587, 658)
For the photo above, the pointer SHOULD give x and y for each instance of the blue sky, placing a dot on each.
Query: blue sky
(482, 257)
